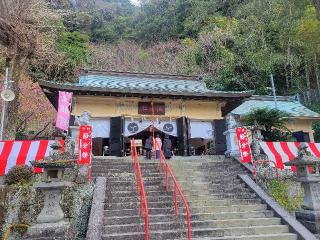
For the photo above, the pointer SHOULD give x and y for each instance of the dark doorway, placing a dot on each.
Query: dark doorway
(116, 136)
(220, 139)
(146, 133)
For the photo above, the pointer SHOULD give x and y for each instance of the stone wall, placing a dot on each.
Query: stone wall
(23, 204)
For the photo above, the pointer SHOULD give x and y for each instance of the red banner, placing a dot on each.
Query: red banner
(244, 146)
(85, 135)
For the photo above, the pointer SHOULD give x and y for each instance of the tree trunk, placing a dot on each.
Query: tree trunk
(307, 74)
(12, 121)
(316, 71)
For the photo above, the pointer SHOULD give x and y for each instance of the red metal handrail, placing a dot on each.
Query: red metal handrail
(264, 161)
(176, 191)
(144, 211)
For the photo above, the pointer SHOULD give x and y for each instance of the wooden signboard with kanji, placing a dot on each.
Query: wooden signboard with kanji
(145, 108)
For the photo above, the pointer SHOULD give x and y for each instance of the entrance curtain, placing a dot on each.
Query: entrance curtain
(100, 127)
(133, 127)
(201, 129)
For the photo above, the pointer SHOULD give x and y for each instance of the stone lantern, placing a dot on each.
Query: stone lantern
(51, 218)
(308, 174)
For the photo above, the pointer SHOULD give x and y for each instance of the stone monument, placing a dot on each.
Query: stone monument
(308, 174)
(231, 136)
(84, 119)
(51, 221)
(256, 139)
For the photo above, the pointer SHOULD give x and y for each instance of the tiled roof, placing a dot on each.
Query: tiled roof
(143, 83)
(286, 104)
(137, 84)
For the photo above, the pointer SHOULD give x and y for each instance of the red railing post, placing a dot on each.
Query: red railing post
(175, 199)
(176, 191)
(167, 178)
(140, 188)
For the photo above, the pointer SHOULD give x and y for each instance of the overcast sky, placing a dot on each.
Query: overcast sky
(135, 2)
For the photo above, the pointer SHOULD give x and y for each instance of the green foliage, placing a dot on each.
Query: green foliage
(19, 175)
(267, 118)
(308, 31)
(73, 52)
(74, 46)
(316, 125)
(271, 121)
(279, 190)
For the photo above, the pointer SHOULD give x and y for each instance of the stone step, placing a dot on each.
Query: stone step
(194, 216)
(209, 232)
(195, 195)
(135, 212)
(213, 187)
(139, 227)
(132, 187)
(232, 208)
(224, 223)
(132, 203)
(280, 236)
(234, 189)
(135, 205)
(133, 183)
(118, 220)
(164, 234)
(240, 231)
(231, 215)
(121, 199)
(127, 168)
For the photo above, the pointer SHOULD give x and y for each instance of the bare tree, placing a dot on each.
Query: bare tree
(27, 29)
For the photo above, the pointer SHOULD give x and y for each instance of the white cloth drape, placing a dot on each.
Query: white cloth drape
(100, 127)
(134, 126)
(201, 129)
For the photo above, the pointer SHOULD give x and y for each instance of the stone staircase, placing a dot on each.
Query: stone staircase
(222, 208)
(121, 214)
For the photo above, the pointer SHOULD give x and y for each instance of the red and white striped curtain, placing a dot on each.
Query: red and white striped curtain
(14, 153)
(281, 152)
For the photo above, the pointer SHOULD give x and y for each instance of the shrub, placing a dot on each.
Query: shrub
(19, 174)
(286, 194)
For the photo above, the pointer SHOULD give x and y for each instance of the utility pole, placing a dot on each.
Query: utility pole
(4, 104)
(7, 95)
(274, 91)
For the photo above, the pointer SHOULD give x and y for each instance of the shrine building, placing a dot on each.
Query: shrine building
(120, 104)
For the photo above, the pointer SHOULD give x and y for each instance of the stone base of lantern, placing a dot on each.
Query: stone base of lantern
(51, 231)
(310, 219)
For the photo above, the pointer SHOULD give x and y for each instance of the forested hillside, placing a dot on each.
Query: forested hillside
(234, 44)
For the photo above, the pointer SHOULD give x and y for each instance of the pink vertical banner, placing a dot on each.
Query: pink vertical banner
(63, 115)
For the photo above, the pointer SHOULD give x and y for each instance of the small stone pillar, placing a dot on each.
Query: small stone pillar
(308, 175)
(74, 136)
(231, 137)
